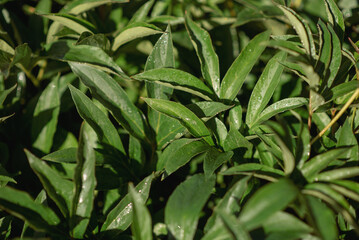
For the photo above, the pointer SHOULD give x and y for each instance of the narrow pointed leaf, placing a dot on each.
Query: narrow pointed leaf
(59, 189)
(335, 17)
(214, 159)
(208, 58)
(207, 109)
(187, 118)
(179, 152)
(265, 87)
(302, 29)
(45, 118)
(77, 24)
(280, 106)
(229, 203)
(336, 174)
(233, 226)
(134, 31)
(120, 217)
(142, 224)
(113, 97)
(141, 14)
(325, 47)
(346, 137)
(24, 207)
(324, 218)
(5, 93)
(85, 183)
(320, 162)
(336, 58)
(177, 79)
(96, 119)
(237, 73)
(185, 204)
(266, 201)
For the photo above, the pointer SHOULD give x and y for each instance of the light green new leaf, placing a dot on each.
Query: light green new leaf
(208, 58)
(77, 24)
(229, 203)
(278, 107)
(237, 73)
(24, 207)
(318, 163)
(134, 31)
(45, 117)
(177, 79)
(84, 186)
(113, 97)
(335, 17)
(187, 118)
(179, 152)
(214, 159)
(336, 58)
(185, 205)
(142, 224)
(59, 189)
(5, 47)
(96, 119)
(302, 29)
(267, 201)
(324, 218)
(120, 217)
(265, 87)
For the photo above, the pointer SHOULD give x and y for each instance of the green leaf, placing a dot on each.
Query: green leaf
(177, 79)
(302, 29)
(185, 205)
(236, 140)
(265, 87)
(208, 58)
(142, 224)
(324, 218)
(214, 159)
(341, 90)
(255, 169)
(320, 162)
(233, 226)
(162, 56)
(347, 188)
(22, 56)
(77, 24)
(5, 93)
(113, 97)
(84, 186)
(278, 107)
(96, 119)
(5, 47)
(67, 51)
(134, 31)
(207, 109)
(267, 201)
(237, 73)
(325, 47)
(340, 173)
(59, 189)
(235, 117)
(24, 207)
(68, 155)
(247, 15)
(180, 152)
(285, 225)
(120, 217)
(335, 17)
(336, 58)
(141, 14)
(45, 117)
(80, 6)
(187, 118)
(346, 137)
(292, 48)
(229, 203)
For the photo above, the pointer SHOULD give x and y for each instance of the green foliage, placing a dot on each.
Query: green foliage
(179, 119)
